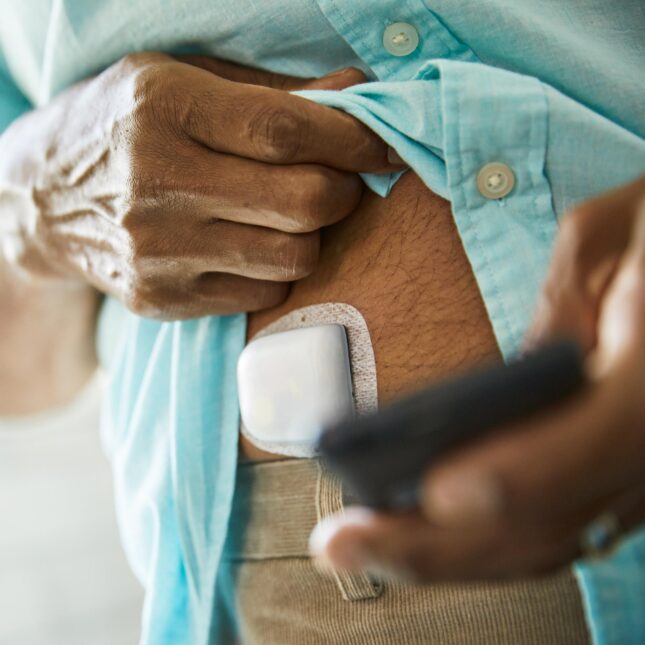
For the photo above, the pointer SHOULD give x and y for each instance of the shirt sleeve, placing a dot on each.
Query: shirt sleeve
(12, 102)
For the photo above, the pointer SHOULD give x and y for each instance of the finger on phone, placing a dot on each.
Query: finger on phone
(520, 473)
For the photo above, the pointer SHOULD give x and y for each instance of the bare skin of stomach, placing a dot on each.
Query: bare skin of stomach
(401, 263)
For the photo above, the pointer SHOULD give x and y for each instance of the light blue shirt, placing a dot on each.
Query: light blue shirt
(552, 89)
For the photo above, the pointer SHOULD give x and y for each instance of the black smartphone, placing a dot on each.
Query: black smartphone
(381, 457)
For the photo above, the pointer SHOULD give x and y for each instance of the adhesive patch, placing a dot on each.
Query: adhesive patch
(361, 357)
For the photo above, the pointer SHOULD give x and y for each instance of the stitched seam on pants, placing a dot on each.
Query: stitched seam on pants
(329, 499)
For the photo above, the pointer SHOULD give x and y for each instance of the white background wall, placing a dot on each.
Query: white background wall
(63, 577)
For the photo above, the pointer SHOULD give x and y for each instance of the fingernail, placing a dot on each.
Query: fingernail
(347, 553)
(394, 158)
(461, 498)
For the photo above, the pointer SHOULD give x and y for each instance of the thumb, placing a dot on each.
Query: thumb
(337, 80)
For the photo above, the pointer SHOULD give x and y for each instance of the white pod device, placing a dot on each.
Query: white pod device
(293, 383)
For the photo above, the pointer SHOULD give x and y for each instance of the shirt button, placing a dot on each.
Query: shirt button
(400, 39)
(495, 180)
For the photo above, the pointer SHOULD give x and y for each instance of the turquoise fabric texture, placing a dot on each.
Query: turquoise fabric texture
(552, 89)
(12, 102)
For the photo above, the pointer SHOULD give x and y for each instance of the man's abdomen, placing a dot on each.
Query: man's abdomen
(401, 263)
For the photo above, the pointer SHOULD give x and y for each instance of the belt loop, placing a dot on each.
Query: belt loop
(329, 499)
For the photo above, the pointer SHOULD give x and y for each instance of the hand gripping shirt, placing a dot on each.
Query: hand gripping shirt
(551, 90)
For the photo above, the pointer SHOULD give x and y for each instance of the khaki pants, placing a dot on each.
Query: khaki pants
(282, 599)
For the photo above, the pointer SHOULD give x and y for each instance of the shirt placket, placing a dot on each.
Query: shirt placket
(395, 38)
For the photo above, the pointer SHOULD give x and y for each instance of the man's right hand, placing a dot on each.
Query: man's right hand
(182, 187)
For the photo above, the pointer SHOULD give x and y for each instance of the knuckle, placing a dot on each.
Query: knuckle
(160, 102)
(139, 60)
(148, 139)
(134, 68)
(297, 255)
(140, 257)
(142, 189)
(276, 133)
(315, 198)
(149, 85)
(140, 298)
(268, 294)
(149, 73)
(321, 197)
(226, 294)
(189, 113)
(135, 215)
(148, 297)
(151, 252)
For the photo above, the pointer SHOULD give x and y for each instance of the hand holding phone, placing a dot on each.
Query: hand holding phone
(382, 457)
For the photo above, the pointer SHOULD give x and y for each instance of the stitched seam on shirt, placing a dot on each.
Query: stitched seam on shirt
(537, 177)
(484, 254)
(533, 188)
(355, 35)
(535, 184)
(535, 156)
(445, 35)
(544, 145)
(536, 190)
